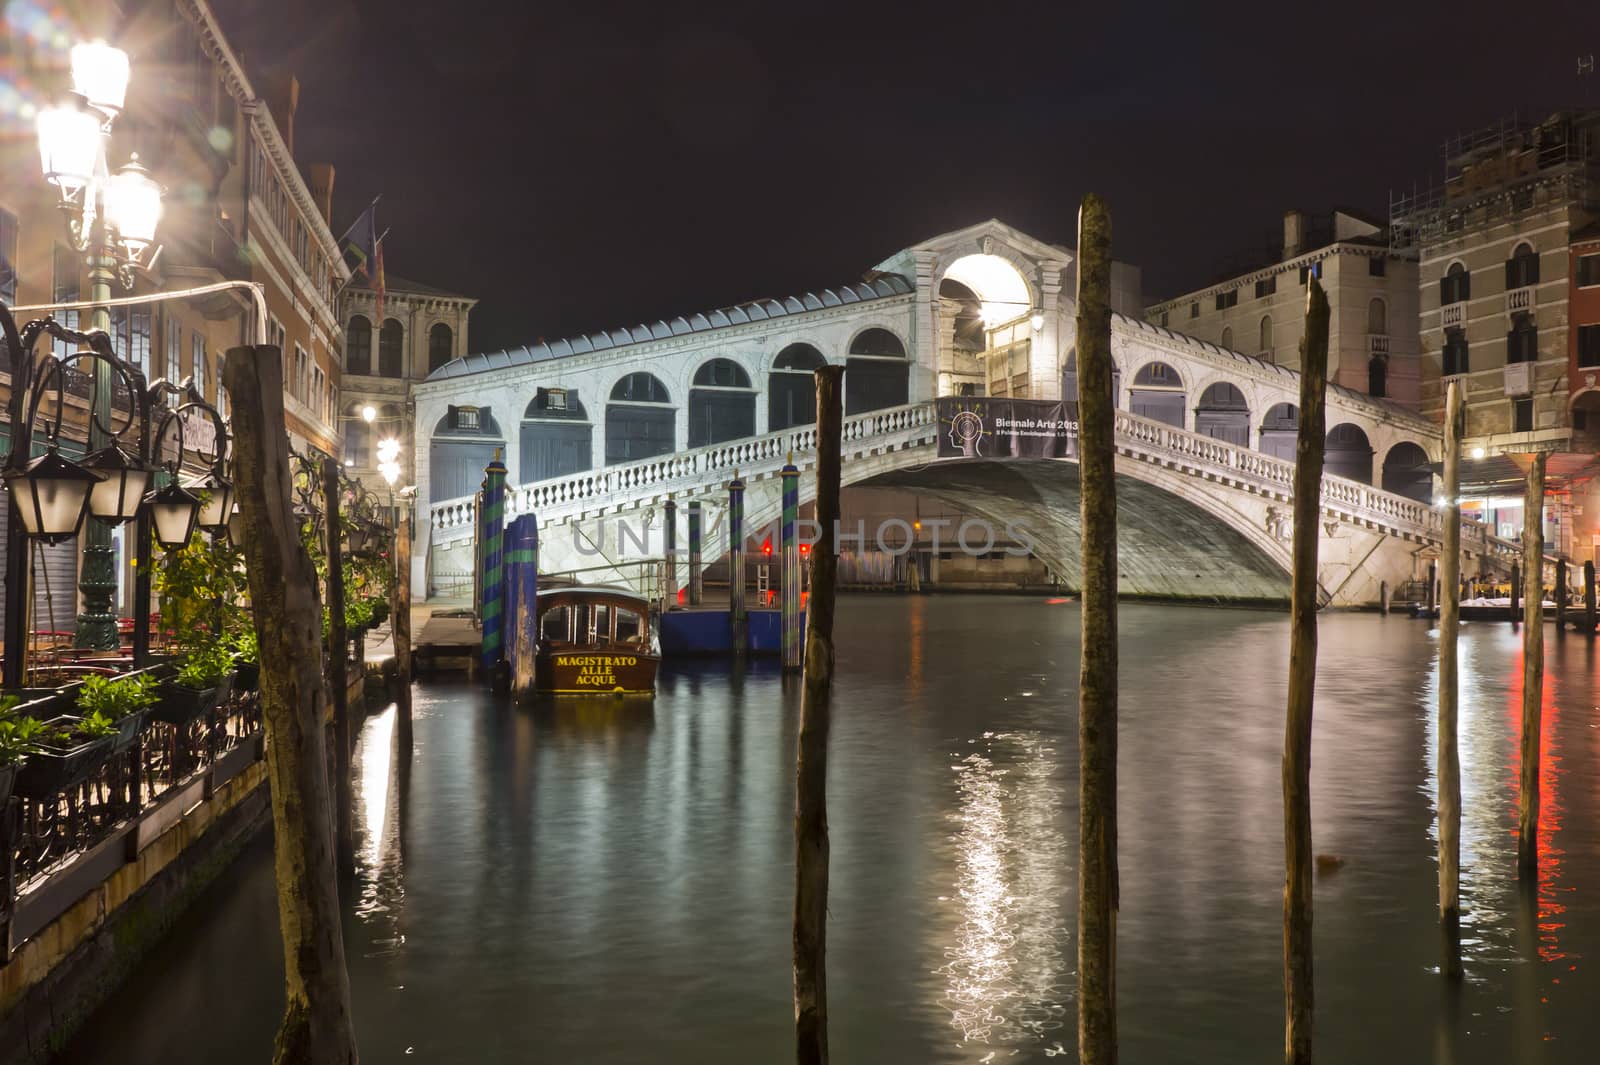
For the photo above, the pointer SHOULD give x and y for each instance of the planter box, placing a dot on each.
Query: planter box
(128, 728)
(8, 783)
(50, 772)
(179, 705)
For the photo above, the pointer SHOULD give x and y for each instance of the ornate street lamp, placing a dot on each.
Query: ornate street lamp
(111, 218)
(216, 503)
(174, 513)
(52, 496)
(124, 479)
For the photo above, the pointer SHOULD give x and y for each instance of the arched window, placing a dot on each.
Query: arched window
(1069, 381)
(1522, 269)
(721, 373)
(1455, 286)
(464, 442)
(391, 342)
(721, 405)
(792, 388)
(877, 374)
(877, 342)
(1279, 430)
(441, 345)
(1377, 318)
(640, 421)
(1223, 414)
(1157, 392)
(556, 438)
(1348, 454)
(1406, 472)
(1266, 335)
(1227, 337)
(358, 345)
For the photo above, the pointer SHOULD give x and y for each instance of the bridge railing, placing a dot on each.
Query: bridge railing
(559, 497)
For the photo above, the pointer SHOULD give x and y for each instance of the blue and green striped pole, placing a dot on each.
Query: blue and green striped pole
(789, 577)
(522, 602)
(493, 575)
(737, 617)
(695, 587)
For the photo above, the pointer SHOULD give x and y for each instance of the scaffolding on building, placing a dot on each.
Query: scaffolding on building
(1499, 172)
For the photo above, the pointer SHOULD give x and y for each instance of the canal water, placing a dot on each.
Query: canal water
(612, 883)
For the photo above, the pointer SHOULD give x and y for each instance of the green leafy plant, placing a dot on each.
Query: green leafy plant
(205, 667)
(203, 590)
(20, 734)
(243, 646)
(116, 697)
(93, 726)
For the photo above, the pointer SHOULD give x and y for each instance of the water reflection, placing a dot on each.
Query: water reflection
(1006, 963)
(377, 812)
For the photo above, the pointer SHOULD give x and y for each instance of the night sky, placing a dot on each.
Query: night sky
(580, 166)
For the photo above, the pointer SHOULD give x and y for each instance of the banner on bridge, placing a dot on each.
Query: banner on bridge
(979, 427)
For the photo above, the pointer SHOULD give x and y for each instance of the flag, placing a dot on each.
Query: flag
(377, 277)
(360, 242)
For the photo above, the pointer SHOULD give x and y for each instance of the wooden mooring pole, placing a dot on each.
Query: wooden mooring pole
(400, 629)
(1449, 757)
(811, 765)
(1588, 595)
(1532, 671)
(338, 674)
(1098, 885)
(1297, 890)
(317, 1028)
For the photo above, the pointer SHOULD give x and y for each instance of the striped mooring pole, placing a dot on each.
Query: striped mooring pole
(522, 602)
(493, 575)
(669, 548)
(738, 618)
(789, 565)
(695, 586)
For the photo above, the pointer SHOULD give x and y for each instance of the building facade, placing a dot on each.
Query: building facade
(1372, 300)
(423, 329)
(1501, 246)
(237, 207)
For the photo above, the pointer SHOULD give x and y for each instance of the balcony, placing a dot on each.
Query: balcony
(1453, 316)
(1377, 344)
(1520, 300)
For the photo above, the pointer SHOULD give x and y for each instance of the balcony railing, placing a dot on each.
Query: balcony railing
(1377, 344)
(1453, 315)
(1520, 300)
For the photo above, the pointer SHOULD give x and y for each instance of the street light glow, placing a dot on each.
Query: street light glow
(100, 75)
(69, 146)
(133, 207)
(369, 413)
(1477, 452)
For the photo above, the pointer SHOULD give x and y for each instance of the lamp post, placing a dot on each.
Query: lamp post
(112, 219)
(389, 467)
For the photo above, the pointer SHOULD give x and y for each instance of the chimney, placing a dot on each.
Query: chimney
(283, 101)
(320, 177)
(1294, 233)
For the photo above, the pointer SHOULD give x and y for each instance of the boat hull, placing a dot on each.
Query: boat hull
(590, 672)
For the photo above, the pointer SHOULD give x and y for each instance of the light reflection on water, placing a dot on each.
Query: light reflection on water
(595, 882)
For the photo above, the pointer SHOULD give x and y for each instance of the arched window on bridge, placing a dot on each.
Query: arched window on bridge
(557, 438)
(1264, 348)
(877, 373)
(1157, 393)
(1348, 453)
(1407, 472)
(441, 345)
(640, 420)
(391, 350)
(1377, 318)
(1223, 414)
(463, 443)
(722, 405)
(358, 346)
(1069, 381)
(1227, 337)
(1278, 432)
(791, 388)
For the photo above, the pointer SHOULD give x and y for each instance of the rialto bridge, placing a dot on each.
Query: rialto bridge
(599, 431)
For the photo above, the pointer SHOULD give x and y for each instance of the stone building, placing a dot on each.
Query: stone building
(423, 329)
(1259, 306)
(237, 207)
(1501, 243)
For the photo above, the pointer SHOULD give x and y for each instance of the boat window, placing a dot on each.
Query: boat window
(600, 624)
(556, 625)
(629, 629)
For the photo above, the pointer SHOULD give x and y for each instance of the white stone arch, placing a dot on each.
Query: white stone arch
(613, 376)
(1025, 267)
(1177, 365)
(855, 331)
(1205, 379)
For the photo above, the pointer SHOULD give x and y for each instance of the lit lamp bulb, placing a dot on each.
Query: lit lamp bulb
(369, 413)
(1037, 321)
(133, 207)
(100, 75)
(1477, 452)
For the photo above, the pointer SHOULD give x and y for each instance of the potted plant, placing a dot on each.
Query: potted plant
(70, 750)
(122, 700)
(201, 682)
(246, 659)
(19, 738)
